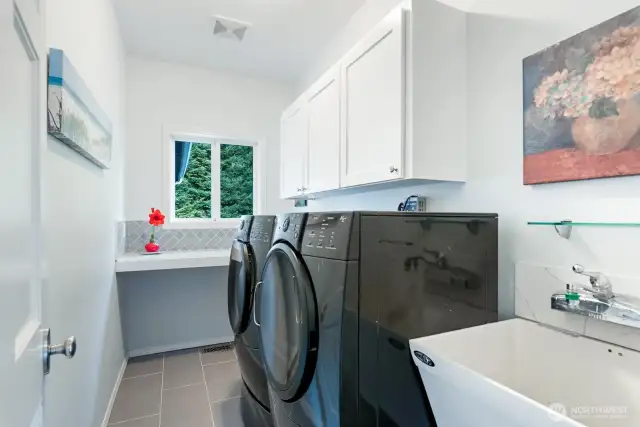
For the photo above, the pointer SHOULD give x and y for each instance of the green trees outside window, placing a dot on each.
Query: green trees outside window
(236, 180)
(193, 194)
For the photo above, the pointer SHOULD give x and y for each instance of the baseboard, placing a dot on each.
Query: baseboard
(181, 346)
(114, 393)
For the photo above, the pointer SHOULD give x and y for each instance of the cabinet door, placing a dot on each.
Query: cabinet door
(293, 151)
(324, 134)
(373, 105)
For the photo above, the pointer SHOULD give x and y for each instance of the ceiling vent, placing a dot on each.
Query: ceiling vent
(229, 28)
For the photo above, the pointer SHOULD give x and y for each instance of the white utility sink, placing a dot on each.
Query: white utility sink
(518, 373)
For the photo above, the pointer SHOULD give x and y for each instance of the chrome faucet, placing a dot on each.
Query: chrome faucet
(600, 285)
(598, 301)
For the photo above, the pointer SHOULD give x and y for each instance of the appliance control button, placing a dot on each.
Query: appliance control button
(285, 224)
(241, 226)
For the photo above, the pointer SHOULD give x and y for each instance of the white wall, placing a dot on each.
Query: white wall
(497, 44)
(188, 309)
(81, 205)
(187, 99)
(359, 25)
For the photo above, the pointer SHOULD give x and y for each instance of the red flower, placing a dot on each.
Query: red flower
(155, 217)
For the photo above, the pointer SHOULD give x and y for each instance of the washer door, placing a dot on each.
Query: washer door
(240, 288)
(288, 323)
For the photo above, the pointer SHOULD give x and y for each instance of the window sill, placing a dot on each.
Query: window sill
(200, 224)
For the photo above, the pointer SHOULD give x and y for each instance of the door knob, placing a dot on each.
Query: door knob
(67, 348)
(393, 169)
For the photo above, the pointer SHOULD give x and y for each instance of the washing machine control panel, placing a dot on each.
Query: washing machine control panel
(262, 229)
(290, 227)
(244, 228)
(327, 234)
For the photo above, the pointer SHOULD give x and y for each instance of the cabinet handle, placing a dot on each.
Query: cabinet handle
(393, 169)
(299, 190)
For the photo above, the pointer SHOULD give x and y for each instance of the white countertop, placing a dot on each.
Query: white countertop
(172, 260)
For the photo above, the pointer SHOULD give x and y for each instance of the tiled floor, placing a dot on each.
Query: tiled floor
(180, 389)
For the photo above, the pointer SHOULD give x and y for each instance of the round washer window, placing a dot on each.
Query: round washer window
(288, 323)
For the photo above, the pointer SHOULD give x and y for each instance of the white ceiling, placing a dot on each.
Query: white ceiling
(282, 41)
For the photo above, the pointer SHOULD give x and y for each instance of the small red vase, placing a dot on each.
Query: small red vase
(152, 247)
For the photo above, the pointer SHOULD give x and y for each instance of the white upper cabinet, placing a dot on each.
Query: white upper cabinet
(373, 101)
(310, 157)
(323, 154)
(294, 136)
(393, 110)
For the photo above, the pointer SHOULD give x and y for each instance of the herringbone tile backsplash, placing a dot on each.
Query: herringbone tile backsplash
(138, 233)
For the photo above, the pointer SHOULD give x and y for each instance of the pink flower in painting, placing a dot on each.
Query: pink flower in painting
(614, 73)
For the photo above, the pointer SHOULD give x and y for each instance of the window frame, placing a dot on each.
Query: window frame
(168, 187)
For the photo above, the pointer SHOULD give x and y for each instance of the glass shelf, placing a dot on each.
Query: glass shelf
(586, 224)
(563, 228)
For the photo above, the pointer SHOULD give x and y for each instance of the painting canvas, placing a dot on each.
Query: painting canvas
(73, 115)
(582, 105)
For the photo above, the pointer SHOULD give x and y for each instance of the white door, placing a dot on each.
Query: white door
(323, 157)
(22, 134)
(373, 96)
(293, 150)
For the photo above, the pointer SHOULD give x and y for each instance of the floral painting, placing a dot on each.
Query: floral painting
(582, 105)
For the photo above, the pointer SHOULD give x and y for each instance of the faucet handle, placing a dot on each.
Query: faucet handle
(599, 281)
(593, 275)
(579, 269)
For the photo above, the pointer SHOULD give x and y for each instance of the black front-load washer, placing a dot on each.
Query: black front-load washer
(343, 293)
(248, 252)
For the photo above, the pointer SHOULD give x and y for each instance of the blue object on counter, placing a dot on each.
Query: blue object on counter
(413, 203)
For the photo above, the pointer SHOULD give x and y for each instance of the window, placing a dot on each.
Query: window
(213, 181)
(236, 180)
(193, 185)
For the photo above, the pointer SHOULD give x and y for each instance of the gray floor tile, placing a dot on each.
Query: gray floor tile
(137, 397)
(182, 368)
(144, 365)
(218, 356)
(186, 407)
(141, 422)
(223, 380)
(227, 413)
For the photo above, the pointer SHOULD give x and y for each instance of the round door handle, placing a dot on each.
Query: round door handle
(68, 348)
(393, 169)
